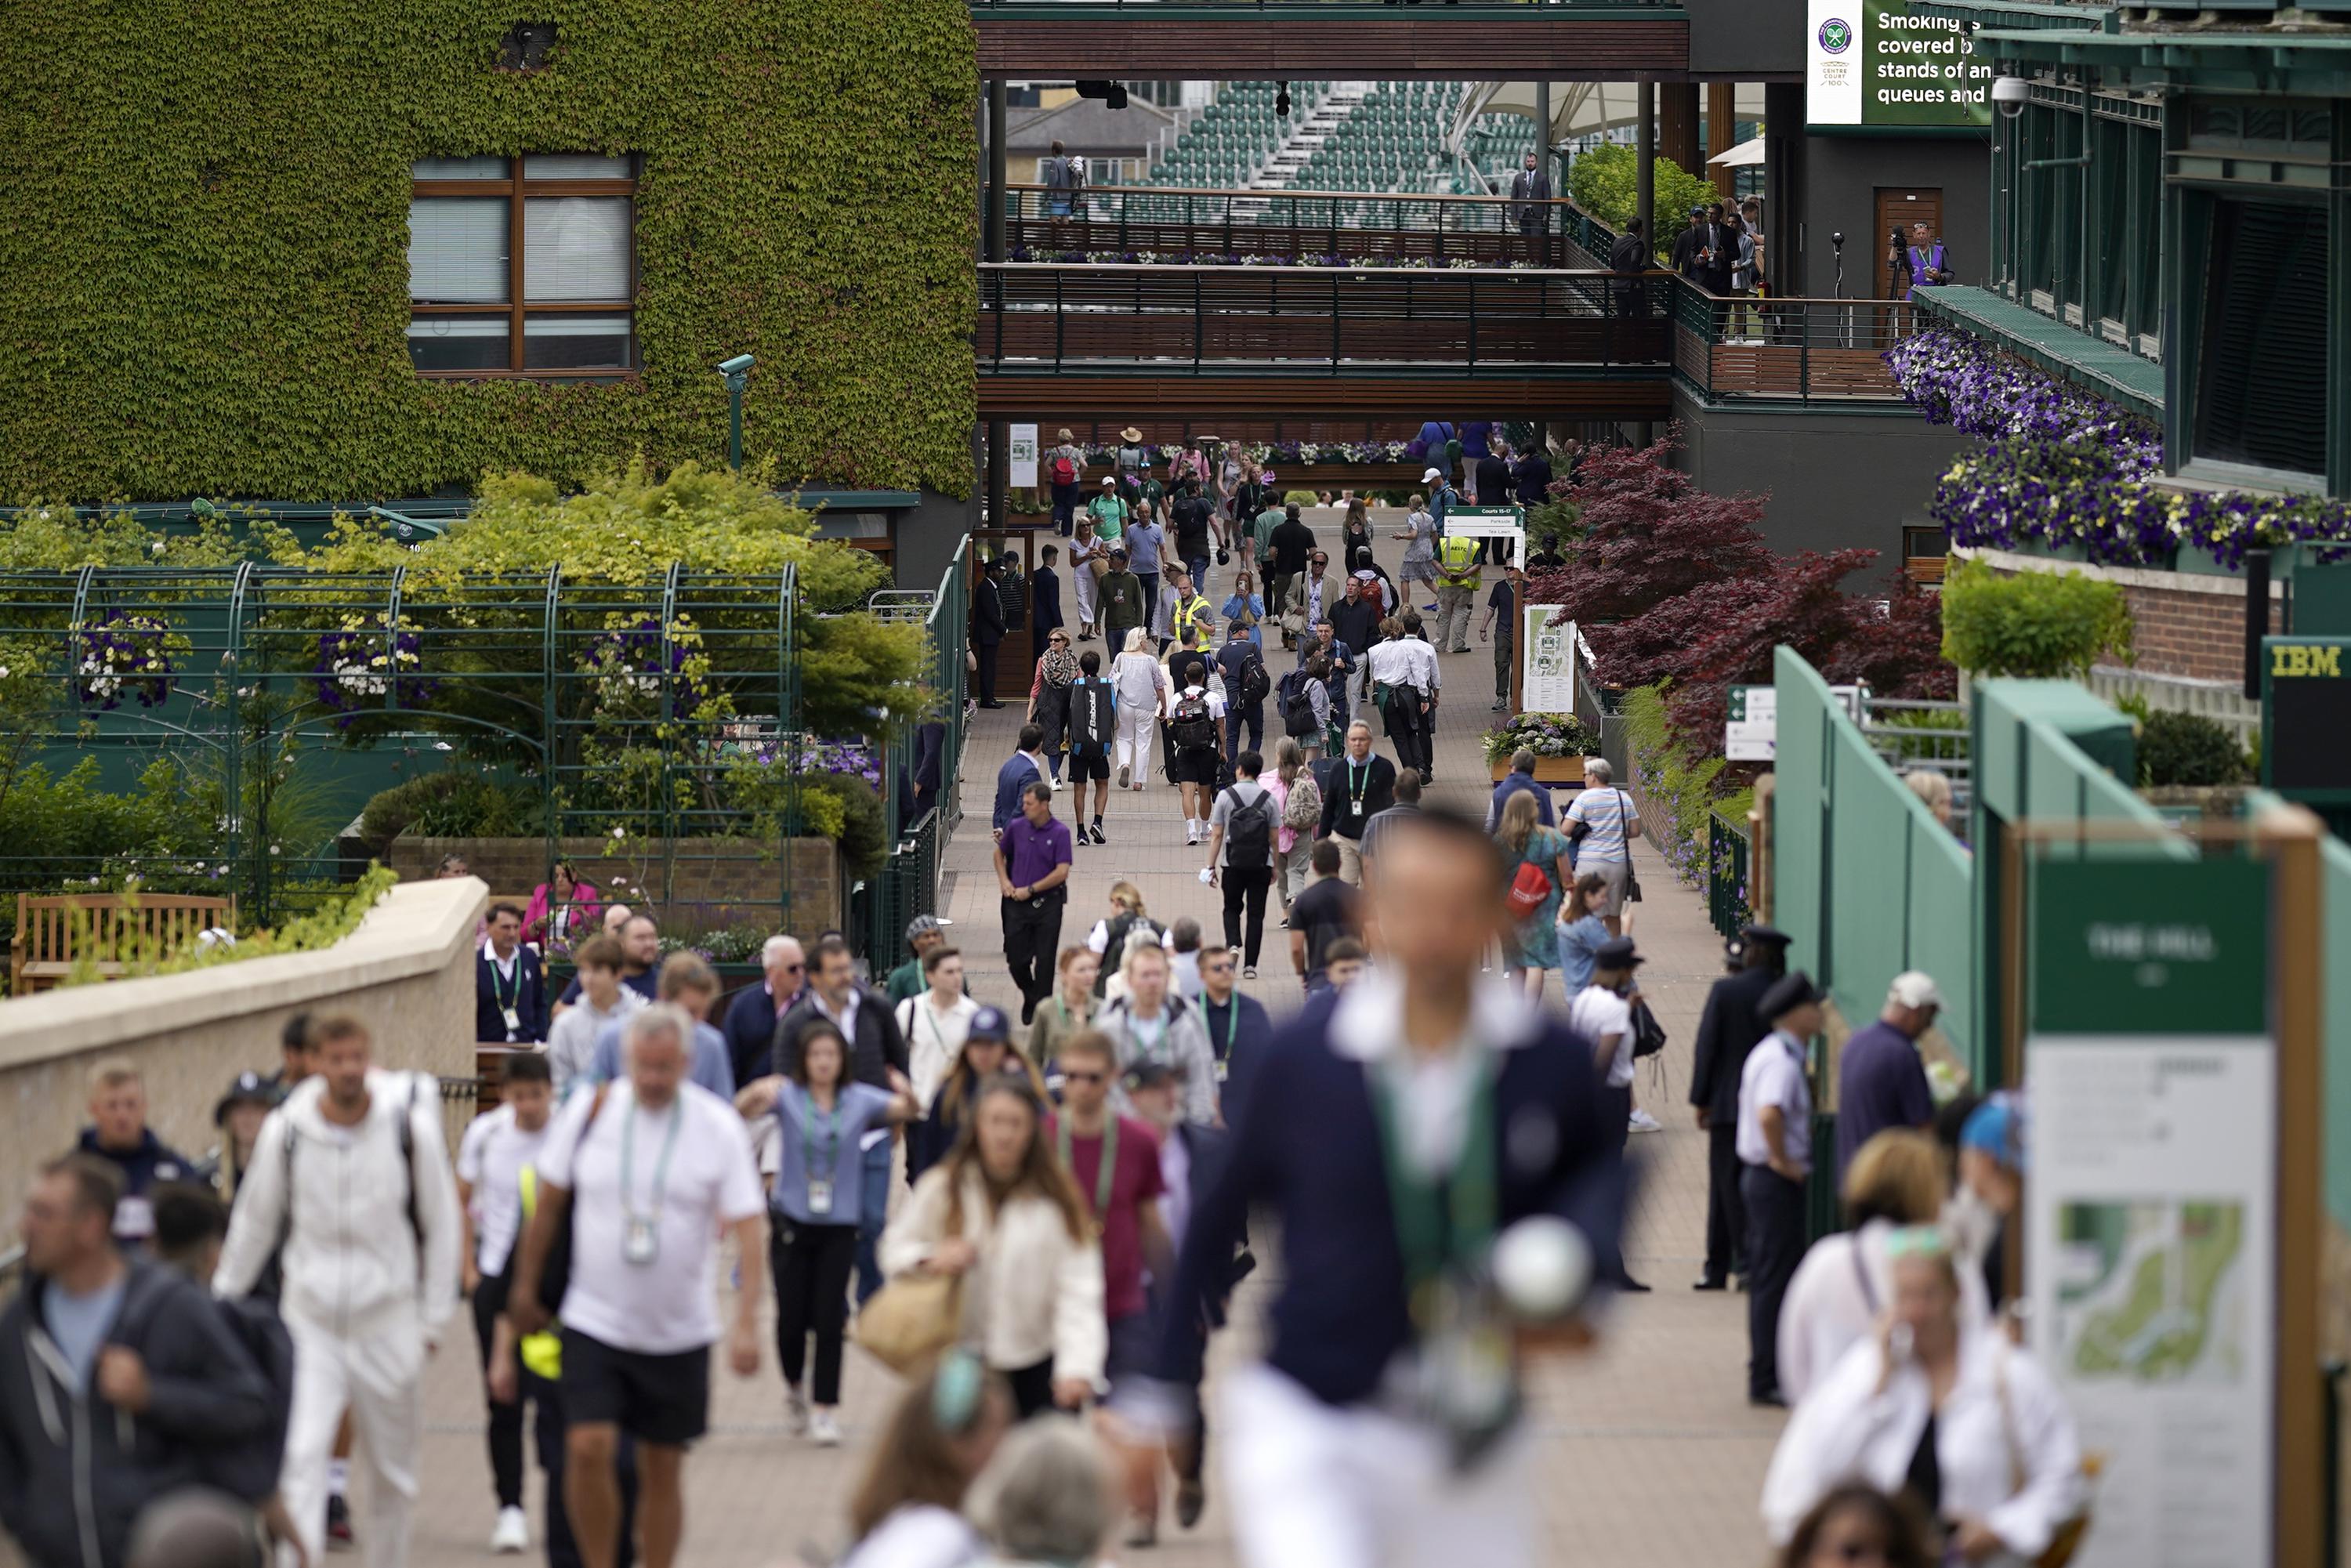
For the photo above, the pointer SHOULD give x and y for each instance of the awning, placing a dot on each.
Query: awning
(1747, 154)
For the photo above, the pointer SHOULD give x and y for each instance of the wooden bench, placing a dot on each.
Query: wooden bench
(53, 931)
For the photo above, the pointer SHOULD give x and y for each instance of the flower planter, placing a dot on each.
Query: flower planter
(1548, 770)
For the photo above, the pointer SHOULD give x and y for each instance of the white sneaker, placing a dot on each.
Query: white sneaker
(795, 1411)
(825, 1429)
(513, 1532)
(1640, 1121)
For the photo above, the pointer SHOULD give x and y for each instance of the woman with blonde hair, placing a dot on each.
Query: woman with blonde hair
(1001, 1213)
(1298, 805)
(1107, 941)
(1531, 947)
(1246, 606)
(1069, 1011)
(1939, 1409)
(1844, 1283)
(1142, 687)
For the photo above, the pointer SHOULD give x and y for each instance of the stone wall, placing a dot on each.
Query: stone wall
(713, 883)
(407, 973)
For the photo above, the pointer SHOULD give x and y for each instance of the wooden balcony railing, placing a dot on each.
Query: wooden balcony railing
(1174, 223)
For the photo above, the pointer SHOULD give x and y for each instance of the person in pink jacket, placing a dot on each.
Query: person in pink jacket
(563, 909)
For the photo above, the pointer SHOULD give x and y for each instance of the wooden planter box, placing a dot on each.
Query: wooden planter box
(1548, 770)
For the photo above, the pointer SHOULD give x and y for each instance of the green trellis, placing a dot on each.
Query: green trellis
(668, 712)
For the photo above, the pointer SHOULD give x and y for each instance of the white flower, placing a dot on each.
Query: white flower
(619, 832)
(159, 548)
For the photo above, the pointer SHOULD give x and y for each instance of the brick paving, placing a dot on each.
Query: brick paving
(1650, 1454)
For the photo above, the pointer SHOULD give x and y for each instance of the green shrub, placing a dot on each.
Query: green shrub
(2038, 624)
(1605, 183)
(862, 833)
(2177, 748)
(452, 805)
(333, 919)
(1300, 498)
(1681, 793)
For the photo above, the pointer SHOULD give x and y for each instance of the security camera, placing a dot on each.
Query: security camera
(1837, 239)
(2008, 93)
(738, 365)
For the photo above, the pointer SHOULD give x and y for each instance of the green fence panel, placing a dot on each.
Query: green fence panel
(1800, 807)
(1941, 933)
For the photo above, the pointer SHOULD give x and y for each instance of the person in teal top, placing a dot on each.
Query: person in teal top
(1110, 513)
(1582, 931)
(1533, 946)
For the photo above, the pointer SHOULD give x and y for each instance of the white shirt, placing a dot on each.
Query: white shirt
(1176, 1180)
(934, 1040)
(490, 1158)
(572, 1039)
(918, 1535)
(1404, 662)
(1774, 1075)
(1604, 809)
(669, 1304)
(1215, 699)
(1368, 1027)
(1598, 1012)
(1835, 1299)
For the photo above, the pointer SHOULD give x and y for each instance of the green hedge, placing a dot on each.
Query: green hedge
(205, 235)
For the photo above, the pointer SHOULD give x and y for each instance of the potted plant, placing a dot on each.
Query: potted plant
(1561, 741)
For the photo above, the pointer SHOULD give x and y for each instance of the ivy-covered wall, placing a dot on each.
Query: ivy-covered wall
(204, 231)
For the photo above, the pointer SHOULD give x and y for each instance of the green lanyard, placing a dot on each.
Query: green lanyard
(661, 1167)
(498, 993)
(1105, 1175)
(1439, 1224)
(1355, 786)
(1134, 1031)
(832, 1133)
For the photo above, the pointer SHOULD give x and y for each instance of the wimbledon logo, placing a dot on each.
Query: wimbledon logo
(1836, 34)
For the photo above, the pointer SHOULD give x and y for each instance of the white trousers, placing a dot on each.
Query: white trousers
(381, 1379)
(1083, 580)
(1137, 723)
(1313, 1486)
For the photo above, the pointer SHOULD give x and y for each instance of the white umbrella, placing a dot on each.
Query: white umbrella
(1747, 153)
(1577, 109)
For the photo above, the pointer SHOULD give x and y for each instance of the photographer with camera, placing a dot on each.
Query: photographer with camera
(1925, 259)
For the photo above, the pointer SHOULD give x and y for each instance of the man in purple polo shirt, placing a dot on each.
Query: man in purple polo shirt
(1881, 1082)
(1032, 873)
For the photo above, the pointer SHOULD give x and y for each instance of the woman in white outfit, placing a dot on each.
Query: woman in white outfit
(1965, 1422)
(1142, 687)
(1084, 550)
(1845, 1283)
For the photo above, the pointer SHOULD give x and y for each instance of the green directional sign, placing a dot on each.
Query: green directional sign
(2150, 948)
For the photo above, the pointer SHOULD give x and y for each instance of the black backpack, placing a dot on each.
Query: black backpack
(1192, 728)
(249, 1469)
(1092, 720)
(1249, 832)
(1255, 682)
(1298, 707)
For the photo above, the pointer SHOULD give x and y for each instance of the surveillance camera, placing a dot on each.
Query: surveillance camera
(738, 365)
(1837, 239)
(2008, 93)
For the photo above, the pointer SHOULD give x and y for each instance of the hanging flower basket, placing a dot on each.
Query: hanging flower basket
(125, 656)
(368, 660)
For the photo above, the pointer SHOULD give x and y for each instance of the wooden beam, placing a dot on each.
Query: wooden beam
(1131, 48)
(1721, 134)
(1677, 125)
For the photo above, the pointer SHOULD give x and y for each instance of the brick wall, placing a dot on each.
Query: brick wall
(2195, 631)
(715, 884)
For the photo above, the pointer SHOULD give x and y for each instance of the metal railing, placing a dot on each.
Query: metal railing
(1179, 318)
(1932, 737)
(907, 883)
(1473, 11)
(1197, 223)
(1728, 848)
(1730, 347)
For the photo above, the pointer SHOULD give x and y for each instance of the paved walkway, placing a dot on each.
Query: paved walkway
(1649, 1453)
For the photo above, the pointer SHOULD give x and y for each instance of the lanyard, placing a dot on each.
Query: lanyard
(1150, 1052)
(499, 994)
(1438, 1223)
(1355, 787)
(1232, 1023)
(832, 1131)
(661, 1167)
(1103, 1175)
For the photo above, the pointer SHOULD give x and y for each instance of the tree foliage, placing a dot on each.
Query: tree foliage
(1606, 182)
(204, 235)
(2033, 624)
(1648, 534)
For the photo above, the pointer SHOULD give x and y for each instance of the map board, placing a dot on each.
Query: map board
(1021, 453)
(2151, 1219)
(1547, 680)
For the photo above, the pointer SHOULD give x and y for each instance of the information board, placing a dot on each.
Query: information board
(1547, 681)
(1879, 63)
(2151, 1213)
(2306, 718)
(1491, 523)
(1750, 731)
(1020, 450)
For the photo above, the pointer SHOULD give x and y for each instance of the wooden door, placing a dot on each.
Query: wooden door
(1015, 659)
(1898, 209)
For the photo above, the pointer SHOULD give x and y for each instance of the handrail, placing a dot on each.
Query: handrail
(1246, 195)
(1489, 275)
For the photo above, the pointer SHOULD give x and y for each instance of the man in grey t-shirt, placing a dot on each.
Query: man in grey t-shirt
(1244, 818)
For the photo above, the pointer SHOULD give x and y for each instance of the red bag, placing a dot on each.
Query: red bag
(1528, 890)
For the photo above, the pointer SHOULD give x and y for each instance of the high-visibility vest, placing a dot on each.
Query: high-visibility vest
(1196, 611)
(542, 1352)
(1456, 561)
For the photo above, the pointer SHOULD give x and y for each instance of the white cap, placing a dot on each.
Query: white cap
(1913, 989)
(1432, 474)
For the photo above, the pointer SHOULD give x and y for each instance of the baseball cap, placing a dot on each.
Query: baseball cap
(246, 1089)
(1432, 474)
(1617, 953)
(1996, 1127)
(923, 926)
(1152, 1075)
(1108, 481)
(989, 1023)
(1698, 212)
(1913, 989)
(1765, 935)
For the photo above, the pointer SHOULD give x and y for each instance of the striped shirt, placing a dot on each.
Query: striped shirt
(1606, 812)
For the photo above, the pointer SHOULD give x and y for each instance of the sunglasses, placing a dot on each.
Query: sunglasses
(792, 968)
(1071, 1076)
(1918, 1241)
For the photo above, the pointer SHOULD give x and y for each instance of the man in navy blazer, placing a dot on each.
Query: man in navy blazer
(1021, 770)
(1372, 1095)
(510, 986)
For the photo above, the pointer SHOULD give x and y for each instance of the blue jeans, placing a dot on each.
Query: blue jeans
(1250, 716)
(873, 1209)
(1199, 567)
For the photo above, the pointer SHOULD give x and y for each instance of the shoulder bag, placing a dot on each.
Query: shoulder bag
(911, 1320)
(2066, 1539)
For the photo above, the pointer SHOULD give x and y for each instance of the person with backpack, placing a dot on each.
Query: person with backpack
(1194, 520)
(1108, 940)
(1306, 705)
(1300, 800)
(1540, 870)
(119, 1380)
(1196, 751)
(191, 1223)
(1247, 685)
(1065, 466)
(1093, 729)
(352, 1188)
(1242, 832)
(1150, 1022)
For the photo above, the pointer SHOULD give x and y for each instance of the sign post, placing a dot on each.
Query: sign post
(2171, 1202)
(1490, 523)
(1750, 730)
(1020, 445)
